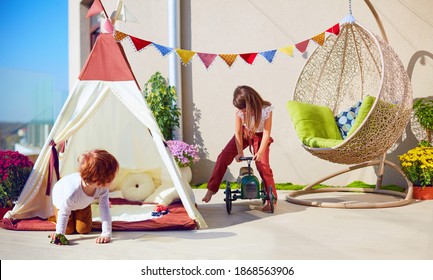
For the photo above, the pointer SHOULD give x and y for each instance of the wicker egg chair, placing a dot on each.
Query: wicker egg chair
(345, 69)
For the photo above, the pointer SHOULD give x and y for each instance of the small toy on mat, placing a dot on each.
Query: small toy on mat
(59, 239)
(160, 210)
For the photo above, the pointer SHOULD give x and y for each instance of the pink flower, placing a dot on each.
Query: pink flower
(184, 154)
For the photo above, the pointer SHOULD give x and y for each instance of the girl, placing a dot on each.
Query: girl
(248, 132)
(73, 194)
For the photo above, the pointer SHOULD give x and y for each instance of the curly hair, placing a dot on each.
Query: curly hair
(98, 167)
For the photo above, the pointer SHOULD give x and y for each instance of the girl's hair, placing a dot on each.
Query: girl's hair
(245, 97)
(98, 167)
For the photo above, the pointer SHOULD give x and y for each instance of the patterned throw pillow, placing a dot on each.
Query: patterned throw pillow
(346, 119)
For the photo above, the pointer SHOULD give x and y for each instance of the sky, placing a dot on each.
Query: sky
(33, 59)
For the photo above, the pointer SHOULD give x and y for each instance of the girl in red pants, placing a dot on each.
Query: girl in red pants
(248, 133)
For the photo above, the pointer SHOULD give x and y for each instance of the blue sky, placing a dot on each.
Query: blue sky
(33, 59)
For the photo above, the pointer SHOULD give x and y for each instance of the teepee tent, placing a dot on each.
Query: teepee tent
(106, 111)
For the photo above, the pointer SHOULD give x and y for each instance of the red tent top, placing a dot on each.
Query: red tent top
(107, 61)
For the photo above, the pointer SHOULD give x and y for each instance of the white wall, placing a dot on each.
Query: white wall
(240, 26)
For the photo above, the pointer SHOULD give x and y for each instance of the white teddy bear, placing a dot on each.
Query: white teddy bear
(136, 186)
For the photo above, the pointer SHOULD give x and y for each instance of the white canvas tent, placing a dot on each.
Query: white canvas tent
(106, 111)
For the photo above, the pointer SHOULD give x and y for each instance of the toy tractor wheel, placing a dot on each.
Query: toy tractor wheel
(228, 198)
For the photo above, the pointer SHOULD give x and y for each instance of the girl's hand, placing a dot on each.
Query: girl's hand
(238, 156)
(257, 157)
(102, 239)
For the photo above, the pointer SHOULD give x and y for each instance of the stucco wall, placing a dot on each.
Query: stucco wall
(241, 26)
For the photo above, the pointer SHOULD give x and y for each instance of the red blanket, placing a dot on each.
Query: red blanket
(176, 219)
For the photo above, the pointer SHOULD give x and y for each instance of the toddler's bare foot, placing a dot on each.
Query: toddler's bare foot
(208, 196)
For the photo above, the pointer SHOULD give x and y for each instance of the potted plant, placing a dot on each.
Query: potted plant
(161, 98)
(185, 155)
(417, 165)
(15, 168)
(423, 111)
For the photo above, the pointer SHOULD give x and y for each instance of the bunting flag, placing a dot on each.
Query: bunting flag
(163, 49)
(334, 29)
(229, 58)
(207, 58)
(319, 39)
(139, 44)
(185, 55)
(287, 50)
(269, 55)
(119, 36)
(95, 9)
(248, 57)
(302, 46)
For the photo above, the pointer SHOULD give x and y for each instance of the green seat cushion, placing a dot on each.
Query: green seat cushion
(363, 111)
(314, 124)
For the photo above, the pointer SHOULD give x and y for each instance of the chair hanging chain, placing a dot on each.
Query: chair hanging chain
(350, 7)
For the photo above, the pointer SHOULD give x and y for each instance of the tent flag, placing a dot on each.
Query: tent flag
(207, 58)
(123, 14)
(319, 39)
(229, 58)
(162, 49)
(302, 46)
(248, 57)
(334, 29)
(108, 26)
(185, 55)
(139, 44)
(95, 9)
(269, 55)
(287, 50)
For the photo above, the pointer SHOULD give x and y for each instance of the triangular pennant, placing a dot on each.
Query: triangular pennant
(119, 36)
(319, 39)
(185, 55)
(248, 57)
(269, 55)
(139, 44)
(302, 46)
(287, 50)
(163, 49)
(335, 29)
(95, 9)
(229, 58)
(207, 58)
(108, 26)
(123, 14)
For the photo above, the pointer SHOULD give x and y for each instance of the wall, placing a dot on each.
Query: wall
(241, 26)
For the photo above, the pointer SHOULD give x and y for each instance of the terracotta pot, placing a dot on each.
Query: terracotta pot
(3, 211)
(422, 193)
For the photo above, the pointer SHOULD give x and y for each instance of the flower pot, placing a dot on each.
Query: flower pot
(422, 193)
(186, 173)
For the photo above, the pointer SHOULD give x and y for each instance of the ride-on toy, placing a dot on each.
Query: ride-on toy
(250, 188)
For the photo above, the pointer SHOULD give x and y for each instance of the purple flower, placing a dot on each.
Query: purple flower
(184, 154)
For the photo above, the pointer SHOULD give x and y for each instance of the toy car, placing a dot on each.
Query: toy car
(250, 188)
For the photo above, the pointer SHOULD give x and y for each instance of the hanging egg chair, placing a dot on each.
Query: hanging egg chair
(353, 76)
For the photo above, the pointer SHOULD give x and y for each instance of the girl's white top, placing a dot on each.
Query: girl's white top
(266, 112)
(68, 196)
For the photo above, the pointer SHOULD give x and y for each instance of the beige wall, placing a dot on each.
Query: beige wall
(238, 26)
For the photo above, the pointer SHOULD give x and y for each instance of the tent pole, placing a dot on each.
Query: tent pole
(174, 77)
